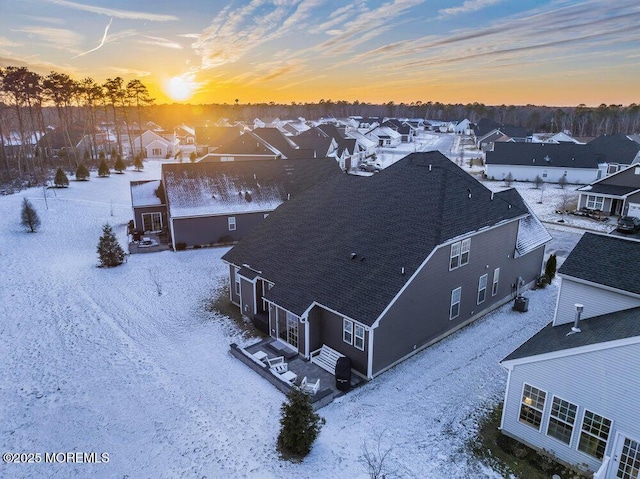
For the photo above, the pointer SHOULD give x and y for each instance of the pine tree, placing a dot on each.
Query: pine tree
(29, 216)
(103, 168)
(119, 165)
(300, 426)
(193, 157)
(109, 250)
(550, 267)
(61, 179)
(82, 173)
(138, 163)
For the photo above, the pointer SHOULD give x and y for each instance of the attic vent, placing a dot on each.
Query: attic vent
(547, 159)
(353, 255)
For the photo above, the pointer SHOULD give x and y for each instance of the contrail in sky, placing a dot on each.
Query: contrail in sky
(104, 37)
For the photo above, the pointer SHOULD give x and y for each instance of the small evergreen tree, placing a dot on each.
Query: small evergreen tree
(101, 155)
(109, 250)
(103, 169)
(119, 165)
(61, 179)
(29, 216)
(550, 267)
(138, 163)
(300, 426)
(193, 157)
(82, 173)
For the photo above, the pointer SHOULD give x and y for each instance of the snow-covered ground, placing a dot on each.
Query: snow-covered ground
(95, 360)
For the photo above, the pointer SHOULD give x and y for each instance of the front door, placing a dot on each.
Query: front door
(288, 328)
(626, 458)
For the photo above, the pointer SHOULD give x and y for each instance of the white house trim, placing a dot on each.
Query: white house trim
(509, 364)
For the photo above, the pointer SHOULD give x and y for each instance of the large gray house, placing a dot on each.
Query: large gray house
(378, 268)
(616, 194)
(573, 390)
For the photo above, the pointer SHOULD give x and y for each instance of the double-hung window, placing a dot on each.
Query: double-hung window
(561, 419)
(232, 223)
(454, 310)
(358, 340)
(459, 253)
(594, 434)
(482, 288)
(532, 406)
(496, 278)
(595, 202)
(347, 331)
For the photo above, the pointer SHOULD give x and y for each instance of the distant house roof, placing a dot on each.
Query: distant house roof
(599, 329)
(143, 193)
(616, 148)
(613, 190)
(599, 258)
(486, 125)
(345, 242)
(201, 189)
(216, 136)
(564, 155)
(285, 145)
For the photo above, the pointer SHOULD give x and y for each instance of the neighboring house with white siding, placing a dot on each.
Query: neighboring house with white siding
(573, 391)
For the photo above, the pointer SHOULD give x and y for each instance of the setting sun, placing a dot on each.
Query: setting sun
(180, 88)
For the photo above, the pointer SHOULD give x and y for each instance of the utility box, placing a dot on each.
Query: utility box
(521, 304)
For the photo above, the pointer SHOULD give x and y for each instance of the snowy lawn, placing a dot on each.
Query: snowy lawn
(94, 360)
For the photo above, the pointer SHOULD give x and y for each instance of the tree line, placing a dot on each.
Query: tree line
(30, 103)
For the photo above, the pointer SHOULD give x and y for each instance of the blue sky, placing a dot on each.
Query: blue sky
(557, 52)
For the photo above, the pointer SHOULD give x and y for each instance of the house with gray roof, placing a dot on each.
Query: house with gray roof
(616, 194)
(553, 163)
(149, 206)
(617, 151)
(572, 387)
(378, 268)
(211, 203)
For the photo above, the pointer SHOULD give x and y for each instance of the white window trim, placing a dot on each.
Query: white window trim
(358, 334)
(465, 248)
(522, 403)
(455, 253)
(236, 278)
(231, 222)
(482, 288)
(551, 416)
(152, 214)
(453, 292)
(597, 202)
(581, 430)
(347, 331)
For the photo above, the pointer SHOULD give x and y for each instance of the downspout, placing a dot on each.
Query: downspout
(370, 355)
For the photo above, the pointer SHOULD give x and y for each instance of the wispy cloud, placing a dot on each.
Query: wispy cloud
(59, 38)
(104, 38)
(4, 42)
(160, 42)
(126, 14)
(468, 6)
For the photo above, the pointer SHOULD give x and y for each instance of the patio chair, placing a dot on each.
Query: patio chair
(275, 361)
(309, 388)
(280, 368)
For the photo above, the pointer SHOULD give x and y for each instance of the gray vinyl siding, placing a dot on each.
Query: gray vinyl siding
(325, 327)
(626, 178)
(421, 315)
(591, 380)
(596, 301)
(139, 210)
(208, 230)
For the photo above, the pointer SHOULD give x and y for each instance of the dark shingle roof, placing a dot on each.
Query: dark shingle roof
(565, 155)
(605, 189)
(391, 220)
(599, 329)
(616, 148)
(607, 260)
(240, 186)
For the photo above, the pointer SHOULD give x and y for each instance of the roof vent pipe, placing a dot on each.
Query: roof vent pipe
(402, 270)
(429, 167)
(492, 195)
(575, 328)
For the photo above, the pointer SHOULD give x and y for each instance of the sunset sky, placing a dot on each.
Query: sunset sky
(554, 52)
